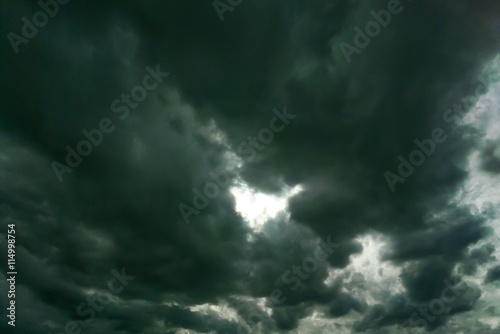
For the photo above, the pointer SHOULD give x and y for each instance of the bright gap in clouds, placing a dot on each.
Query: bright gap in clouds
(254, 206)
(482, 189)
(257, 207)
(367, 277)
(367, 273)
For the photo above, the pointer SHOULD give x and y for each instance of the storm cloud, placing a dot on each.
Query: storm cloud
(152, 137)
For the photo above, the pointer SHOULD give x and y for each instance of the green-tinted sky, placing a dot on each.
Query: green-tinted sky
(355, 147)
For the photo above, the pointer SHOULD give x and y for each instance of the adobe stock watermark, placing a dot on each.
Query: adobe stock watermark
(221, 7)
(372, 29)
(427, 147)
(29, 30)
(248, 149)
(121, 106)
(294, 277)
(416, 158)
(98, 301)
(436, 307)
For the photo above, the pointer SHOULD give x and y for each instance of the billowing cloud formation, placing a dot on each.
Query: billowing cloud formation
(355, 250)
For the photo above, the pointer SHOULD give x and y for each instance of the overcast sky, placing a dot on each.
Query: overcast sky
(251, 166)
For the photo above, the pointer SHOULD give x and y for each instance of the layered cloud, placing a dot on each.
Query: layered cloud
(309, 236)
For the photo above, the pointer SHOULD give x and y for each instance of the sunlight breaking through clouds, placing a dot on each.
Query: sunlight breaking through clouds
(258, 207)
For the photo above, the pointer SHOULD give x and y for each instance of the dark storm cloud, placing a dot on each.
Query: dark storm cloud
(446, 236)
(400, 311)
(493, 274)
(490, 157)
(119, 208)
(477, 257)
